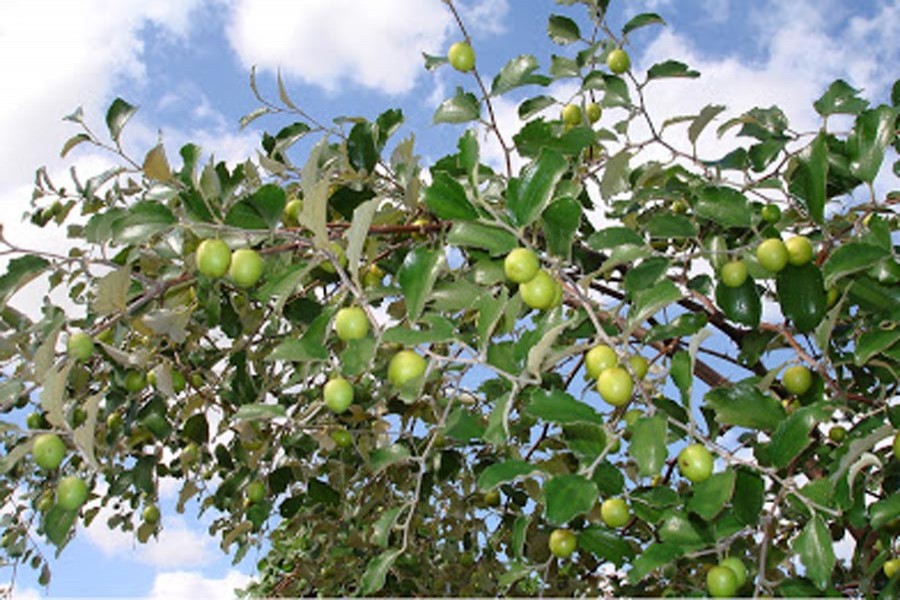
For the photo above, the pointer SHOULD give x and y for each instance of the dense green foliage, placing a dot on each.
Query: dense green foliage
(398, 494)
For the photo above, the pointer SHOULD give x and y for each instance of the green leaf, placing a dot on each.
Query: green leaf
(259, 412)
(310, 347)
(707, 114)
(118, 114)
(142, 221)
(461, 425)
(538, 182)
(20, 271)
(874, 342)
(446, 198)
(58, 523)
(682, 373)
(478, 235)
(606, 545)
(646, 274)
(884, 511)
(648, 444)
(671, 68)
(563, 30)
(809, 179)
(749, 493)
(850, 258)
(677, 528)
(517, 72)
(609, 479)
(361, 148)
(802, 295)
(792, 435)
(711, 495)
(519, 535)
(654, 556)
(505, 472)
(381, 528)
(642, 20)
(439, 330)
(112, 292)
(261, 210)
(389, 455)
(417, 276)
(156, 166)
(557, 406)
(461, 108)
(866, 144)
(376, 572)
(359, 233)
(744, 405)
(498, 422)
(615, 175)
(741, 304)
(560, 222)
(671, 226)
(567, 496)
(170, 322)
(681, 326)
(18, 452)
(723, 205)
(840, 98)
(84, 434)
(612, 237)
(562, 67)
(73, 141)
(533, 106)
(649, 302)
(615, 90)
(816, 552)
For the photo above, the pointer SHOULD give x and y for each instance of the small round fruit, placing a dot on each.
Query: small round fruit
(80, 346)
(213, 258)
(598, 359)
(891, 567)
(832, 296)
(734, 273)
(342, 438)
(373, 276)
(114, 421)
(571, 114)
(539, 292)
(615, 386)
(71, 492)
(292, 210)
(800, 250)
(135, 381)
(837, 434)
(338, 394)
(721, 582)
(736, 565)
(562, 543)
(48, 451)
(695, 463)
(521, 265)
(178, 382)
(631, 416)
(256, 492)
(639, 365)
(404, 367)
(246, 267)
(338, 251)
(772, 254)
(615, 513)
(770, 213)
(618, 61)
(151, 514)
(593, 112)
(35, 420)
(461, 57)
(797, 380)
(351, 323)
(492, 498)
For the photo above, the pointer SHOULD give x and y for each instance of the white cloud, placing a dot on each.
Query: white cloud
(189, 584)
(329, 43)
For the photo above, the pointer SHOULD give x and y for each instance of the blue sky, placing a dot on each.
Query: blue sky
(186, 64)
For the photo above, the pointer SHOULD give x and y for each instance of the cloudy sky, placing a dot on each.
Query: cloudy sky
(186, 64)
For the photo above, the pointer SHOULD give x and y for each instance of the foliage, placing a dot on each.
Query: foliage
(632, 226)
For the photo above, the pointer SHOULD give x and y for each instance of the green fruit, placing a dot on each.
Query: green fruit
(338, 394)
(291, 214)
(213, 258)
(615, 512)
(832, 296)
(598, 359)
(797, 380)
(373, 276)
(246, 267)
(562, 543)
(151, 514)
(800, 250)
(734, 273)
(770, 213)
(837, 434)
(492, 498)
(338, 252)
(695, 463)
(461, 57)
(48, 451)
(593, 112)
(178, 382)
(571, 114)
(35, 420)
(891, 567)
(721, 582)
(618, 61)
(80, 346)
(342, 438)
(615, 386)
(114, 421)
(740, 570)
(351, 323)
(521, 265)
(639, 365)
(256, 492)
(631, 416)
(772, 255)
(71, 492)
(404, 367)
(135, 381)
(539, 292)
